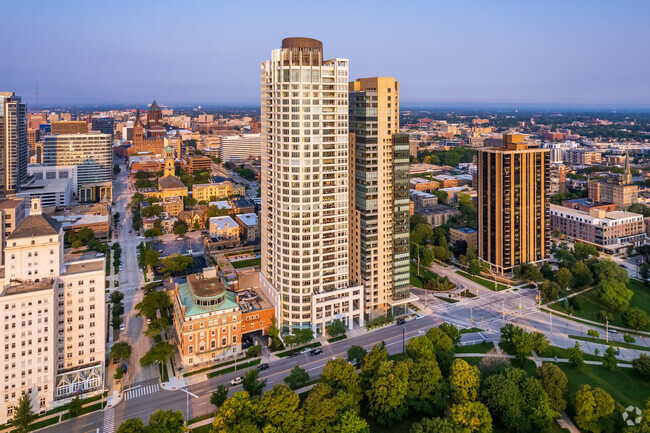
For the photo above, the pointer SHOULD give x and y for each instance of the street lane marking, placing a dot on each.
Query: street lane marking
(186, 391)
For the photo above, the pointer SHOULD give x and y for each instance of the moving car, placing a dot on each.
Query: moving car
(263, 367)
(316, 352)
(400, 322)
(236, 381)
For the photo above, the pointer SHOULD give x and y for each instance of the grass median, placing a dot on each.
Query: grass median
(483, 282)
(297, 349)
(610, 342)
(234, 368)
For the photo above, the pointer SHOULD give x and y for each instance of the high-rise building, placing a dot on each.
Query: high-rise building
(513, 204)
(155, 127)
(14, 146)
(305, 151)
(52, 319)
(92, 154)
(379, 202)
(72, 127)
(104, 124)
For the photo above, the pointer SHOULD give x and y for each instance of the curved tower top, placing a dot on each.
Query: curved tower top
(309, 43)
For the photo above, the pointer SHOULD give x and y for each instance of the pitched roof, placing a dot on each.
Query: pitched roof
(170, 181)
(154, 106)
(36, 225)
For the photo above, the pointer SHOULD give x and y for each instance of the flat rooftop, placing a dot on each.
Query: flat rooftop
(88, 265)
(466, 230)
(252, 300)
(29, 287)
(249, 219)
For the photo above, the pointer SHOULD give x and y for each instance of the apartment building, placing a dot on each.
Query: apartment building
(304, 212)
(513, 204)
(611, 232)
(557, 179)
(57, 307)
(583, 156)
(379, 205)
(14, 146)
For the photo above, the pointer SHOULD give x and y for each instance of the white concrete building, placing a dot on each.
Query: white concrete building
(52, 318)
(42, 172)
(558, 150)
(52, 192)
(240, 147)
(304, 212)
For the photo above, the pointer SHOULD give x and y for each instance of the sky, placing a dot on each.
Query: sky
(547, 53)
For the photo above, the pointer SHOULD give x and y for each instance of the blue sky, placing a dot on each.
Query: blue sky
(570, 52)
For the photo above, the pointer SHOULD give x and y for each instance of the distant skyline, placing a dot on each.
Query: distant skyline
(553, 53)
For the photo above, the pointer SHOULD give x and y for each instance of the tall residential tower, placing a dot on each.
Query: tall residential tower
(304, 215)
(513, 204)
(379, 201)
(14, 147)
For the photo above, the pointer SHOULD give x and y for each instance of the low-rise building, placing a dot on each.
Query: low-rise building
(611, 232)
(557, 179)
(420, 184)
(95, 217)
(583, 156)
(467, 234)
(422, 199)
(250, 228)
(241, 205)
(439, 214)
(196, 163)
(210, 319)
(216, 190)
(52, 192)
(585, 205)
(224, 227)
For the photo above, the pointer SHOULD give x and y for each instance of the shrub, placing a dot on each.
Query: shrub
(628, 338)
(592, 333)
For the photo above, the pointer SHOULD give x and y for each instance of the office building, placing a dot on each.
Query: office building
(92, 154)
(513, 201)
(611, 232)
(52, 313)
(76, 127)
(104, 124)
(615, 188)
(236, 148)
(378, 188)
(14, 147)
(155, 127)
(304, 214)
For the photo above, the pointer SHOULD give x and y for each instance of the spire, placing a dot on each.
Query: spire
(137, 118)
(154, 106)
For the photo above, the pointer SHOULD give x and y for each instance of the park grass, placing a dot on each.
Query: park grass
(476, 348)
(563, 353)
(425, 275)
(246, 263)
(470, 330)
(622, 384)
(611, 342)
(591, 305)
(483, 282)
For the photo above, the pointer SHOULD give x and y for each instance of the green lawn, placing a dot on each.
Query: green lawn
(610, 342)
(425, 275)
(203, 429)
(563, 353)
(470, 330)
(476, 348)
(591, 305)
(483, 282)
(246, 263)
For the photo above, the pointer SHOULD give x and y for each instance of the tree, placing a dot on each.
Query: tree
(641, 367)
(238, 414)
(121, 351)
(387, 396)
(151, 258)
(635, 318)
(253, 351)
(427, 391)
(219, 396)
(297, 377)
(23, 414)
(464, 381)
(340, 375)
(300, 336)
(351, 422)
(356, 354)
(474, 267)
(554, 382)
(371, 362)
(152, 303)
(281, 409)
(335, 328)
(167, 421)
(591, 406)
(609, 359)
(433, 425)
(323, 409)
(176, 264)
(116, 169)
(159, 352)
(583, 251)
(563, 278)
(76, 244)
(180, 228)
(582, 275)
(151, 211)
(459, 248)
(576, 356)
(115, 297)
(539, 343)
(615, 294)
(132, 425)
(523, 343)
(119, 373)
(157, 326)
(549, 290)
(452, 332)
(609, 270)
(441, 253)
(644, 273)
(74, 407)
(472, 417)
(252, 384)
(528, 272)
(443, 348)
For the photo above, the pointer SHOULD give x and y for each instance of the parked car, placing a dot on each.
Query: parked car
(294, 354)
(122, 327)
(316, 352)
(419, 316)
(263, 367)
(148, 321)
(400, 322)
(236, 381)
(124, 369)
(305, 351)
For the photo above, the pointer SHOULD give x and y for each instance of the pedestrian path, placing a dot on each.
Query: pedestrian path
(140, 391)
(109, 420)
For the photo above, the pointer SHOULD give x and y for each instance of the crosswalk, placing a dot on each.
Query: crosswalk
(132, 393)
(109, 420)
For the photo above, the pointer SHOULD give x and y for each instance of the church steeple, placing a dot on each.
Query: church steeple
(170, 170)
